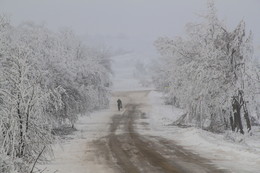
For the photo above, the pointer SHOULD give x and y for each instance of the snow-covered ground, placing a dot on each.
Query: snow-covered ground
(70, 154)
(235, 152)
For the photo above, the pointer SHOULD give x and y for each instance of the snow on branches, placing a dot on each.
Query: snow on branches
(46, 79)
(204, 71)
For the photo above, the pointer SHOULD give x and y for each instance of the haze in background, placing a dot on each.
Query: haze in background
(129, 24)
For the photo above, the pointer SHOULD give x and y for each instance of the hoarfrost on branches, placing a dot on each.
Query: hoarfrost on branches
(47, 79)
(210, 73)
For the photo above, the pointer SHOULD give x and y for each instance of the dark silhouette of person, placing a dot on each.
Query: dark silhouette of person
(119, 104)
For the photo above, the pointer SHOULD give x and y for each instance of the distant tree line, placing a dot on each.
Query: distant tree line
(211, 73)
(46, 79)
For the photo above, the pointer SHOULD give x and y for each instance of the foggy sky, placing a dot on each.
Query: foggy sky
(130, 24)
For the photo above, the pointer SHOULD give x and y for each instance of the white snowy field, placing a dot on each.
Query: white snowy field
(234, 152)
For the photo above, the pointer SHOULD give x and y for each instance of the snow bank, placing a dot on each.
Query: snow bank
(76, 154)
(235, 152)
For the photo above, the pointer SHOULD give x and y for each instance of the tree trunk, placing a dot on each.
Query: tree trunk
(240, 121)
(235, 125)
(237, 116)
(232, 122)
(21, 143)
(29, 107)
(248, 124)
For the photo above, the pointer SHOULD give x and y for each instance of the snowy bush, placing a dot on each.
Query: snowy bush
(210, 73)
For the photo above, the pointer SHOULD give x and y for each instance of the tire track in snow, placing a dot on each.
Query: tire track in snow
(134, 153)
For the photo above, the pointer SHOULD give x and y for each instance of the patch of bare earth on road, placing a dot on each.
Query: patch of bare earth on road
(129, 152)
(102, 154)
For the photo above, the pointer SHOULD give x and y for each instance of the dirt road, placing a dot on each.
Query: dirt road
(127, 151)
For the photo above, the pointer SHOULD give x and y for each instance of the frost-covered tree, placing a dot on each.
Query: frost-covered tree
(25, 124)
(207, 71)
(46, 80)
(83, 72)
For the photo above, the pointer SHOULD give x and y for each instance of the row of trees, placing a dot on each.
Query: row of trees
(210, 73)
(46, 79)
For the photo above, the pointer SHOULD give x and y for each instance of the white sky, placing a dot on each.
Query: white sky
(131, 24)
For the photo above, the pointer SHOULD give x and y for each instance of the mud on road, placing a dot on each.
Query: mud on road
(126, 151)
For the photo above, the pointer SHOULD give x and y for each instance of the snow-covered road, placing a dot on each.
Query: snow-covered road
(135, 153)
(108, 142)
(140, 139)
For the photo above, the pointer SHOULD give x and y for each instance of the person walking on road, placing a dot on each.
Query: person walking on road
(119, 104)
